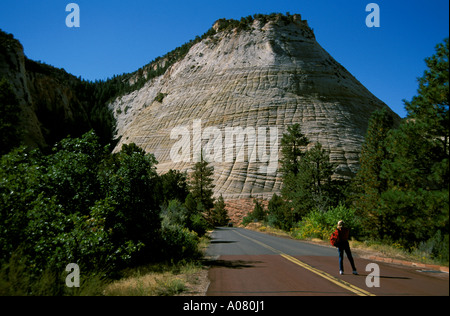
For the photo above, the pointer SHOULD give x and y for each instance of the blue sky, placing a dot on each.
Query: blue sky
(119, 36)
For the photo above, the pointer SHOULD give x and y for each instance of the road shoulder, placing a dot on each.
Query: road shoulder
(364, 253)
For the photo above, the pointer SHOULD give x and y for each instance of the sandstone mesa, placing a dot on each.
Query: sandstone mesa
(272, 75)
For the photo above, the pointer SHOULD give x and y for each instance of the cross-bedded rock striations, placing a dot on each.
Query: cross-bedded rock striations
(269, 75)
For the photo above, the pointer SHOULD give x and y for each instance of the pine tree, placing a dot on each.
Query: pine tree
(431, 105)
(313, 182)
(293, 144)
(201, 184)
(368, 182)
(416, 202)
(220, 213)
(306, 175)
(279, 215)
(174, 186)
(319, 169)
(196, 221)
(258, 212)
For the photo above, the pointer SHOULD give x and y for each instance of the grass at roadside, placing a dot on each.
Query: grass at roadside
(159, 280)
(181, 278)
(395, 251)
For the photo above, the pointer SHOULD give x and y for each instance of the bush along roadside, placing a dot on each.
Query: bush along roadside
(81, 204)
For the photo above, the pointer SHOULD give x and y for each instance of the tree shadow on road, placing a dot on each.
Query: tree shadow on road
(385, 277)
(222, 241)
(231, 264)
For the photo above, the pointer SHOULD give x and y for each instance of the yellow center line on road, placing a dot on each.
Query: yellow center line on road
(323, 274)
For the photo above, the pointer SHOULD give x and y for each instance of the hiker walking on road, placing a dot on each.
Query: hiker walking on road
(340, 240)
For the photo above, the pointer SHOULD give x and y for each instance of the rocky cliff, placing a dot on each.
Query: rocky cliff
(229, 95)
(50, 106)
(232, 97)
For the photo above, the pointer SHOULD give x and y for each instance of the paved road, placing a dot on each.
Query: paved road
(250, 263)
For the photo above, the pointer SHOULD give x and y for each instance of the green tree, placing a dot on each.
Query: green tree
(416, 201)
(220, 213)
(174, 186)
(258, 213)
(82, 204)
(293, 144)
(201, 184)
(52, 207)
(315, 177)
(191, 204)
(431, 103)
(197, 221)
(131, 181)
(311, 187)
(368, 183)
(278, 214)
(22, 178)
(293, 147)
(72, 172)
(178, 240)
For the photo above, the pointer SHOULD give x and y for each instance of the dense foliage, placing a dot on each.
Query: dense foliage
(201, 197)
(414, 205)
(307, 182)
(84, 205)
(368, 183)
(220, 213)
(321, 225)
(257, 215)
(201, 184)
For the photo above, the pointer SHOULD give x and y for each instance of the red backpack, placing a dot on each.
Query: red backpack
(334, 239)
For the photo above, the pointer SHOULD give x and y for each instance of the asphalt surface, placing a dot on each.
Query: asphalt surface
(249, 263)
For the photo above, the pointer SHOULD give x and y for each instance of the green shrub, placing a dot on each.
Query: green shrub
(318, 224)
(82, 205)
(198, 224)
(219, 213)
(435, 248)
(179, 240)
(175, 213)
(258, 214)
(279, 215)
(312, 226)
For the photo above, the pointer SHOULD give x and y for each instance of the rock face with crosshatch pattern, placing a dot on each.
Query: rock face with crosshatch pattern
(273, 75)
